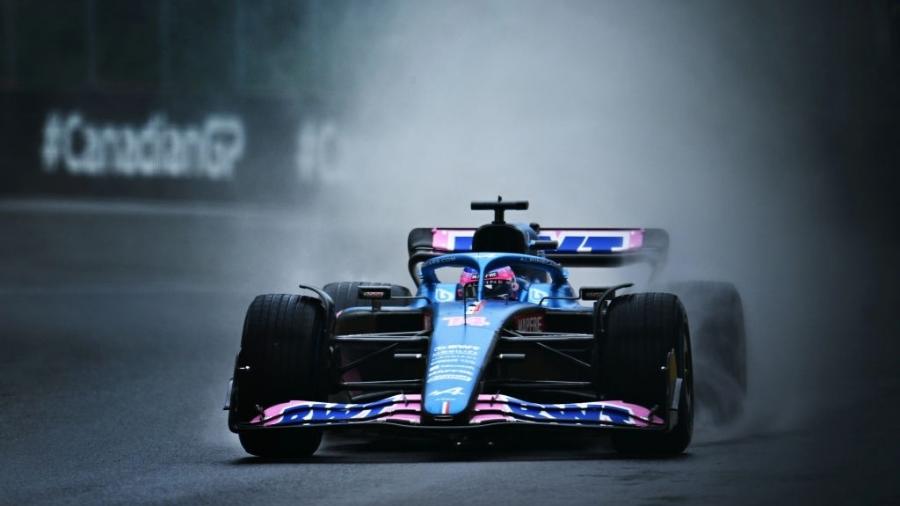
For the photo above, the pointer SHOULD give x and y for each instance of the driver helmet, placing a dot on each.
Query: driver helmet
(498, 283)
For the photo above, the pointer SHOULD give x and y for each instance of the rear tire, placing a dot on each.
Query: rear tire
(716, 313)
(344, 294)
(281, 359)
(640, 331)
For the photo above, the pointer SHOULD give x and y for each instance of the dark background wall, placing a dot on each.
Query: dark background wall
(122, 64)
(833, 62)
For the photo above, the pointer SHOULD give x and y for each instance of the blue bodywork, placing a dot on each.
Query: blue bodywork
(548, 340)
(464, 332)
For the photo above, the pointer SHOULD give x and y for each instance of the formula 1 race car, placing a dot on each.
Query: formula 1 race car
(494, 339)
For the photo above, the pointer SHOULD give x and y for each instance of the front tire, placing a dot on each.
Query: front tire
(281, 359)
(640, 332)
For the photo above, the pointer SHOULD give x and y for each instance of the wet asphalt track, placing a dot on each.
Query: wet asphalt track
(118, 332)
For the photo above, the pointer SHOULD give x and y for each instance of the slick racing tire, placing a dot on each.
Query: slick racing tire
(716, 316)
(640, 332)
(344, 294)
(281, 357)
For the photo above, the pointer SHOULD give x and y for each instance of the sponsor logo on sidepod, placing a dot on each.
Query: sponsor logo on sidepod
(530, 323)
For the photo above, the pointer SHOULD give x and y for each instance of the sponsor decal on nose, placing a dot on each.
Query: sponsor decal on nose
(474, 321)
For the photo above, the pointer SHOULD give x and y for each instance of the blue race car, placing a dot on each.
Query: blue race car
(494, 339)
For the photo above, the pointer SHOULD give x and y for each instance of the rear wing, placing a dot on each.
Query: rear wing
(575, 247)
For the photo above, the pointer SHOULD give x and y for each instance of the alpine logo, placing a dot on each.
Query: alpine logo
(448, 391)
(535, 295)
(443, 295)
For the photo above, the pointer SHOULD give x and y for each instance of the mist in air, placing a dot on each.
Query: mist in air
(695, 117)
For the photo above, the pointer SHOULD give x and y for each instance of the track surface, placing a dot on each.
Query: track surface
(118, 334)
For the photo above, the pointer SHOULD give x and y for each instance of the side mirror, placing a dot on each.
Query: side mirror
(591, 292)
(600, 293)
(376, 294)
(544, 245)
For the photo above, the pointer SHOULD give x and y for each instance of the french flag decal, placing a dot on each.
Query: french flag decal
(445, 408)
